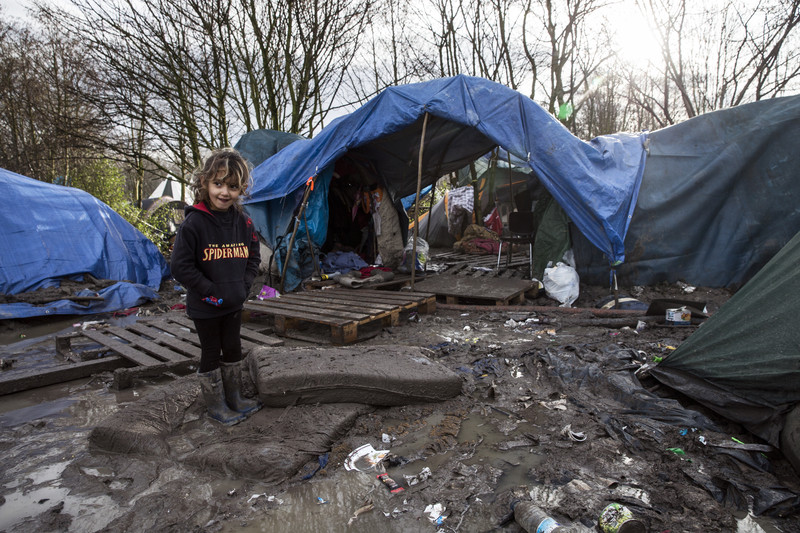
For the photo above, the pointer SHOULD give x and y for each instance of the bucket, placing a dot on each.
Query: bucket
(616, 518)
(679, 316)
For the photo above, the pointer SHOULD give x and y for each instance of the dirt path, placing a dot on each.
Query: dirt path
(550, 410)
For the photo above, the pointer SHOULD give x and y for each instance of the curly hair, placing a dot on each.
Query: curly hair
(227, 163)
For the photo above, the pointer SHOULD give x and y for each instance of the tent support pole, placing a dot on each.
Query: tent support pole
(416, 202)
(309, 188)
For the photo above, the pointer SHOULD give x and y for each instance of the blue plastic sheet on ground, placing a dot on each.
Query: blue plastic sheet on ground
(121, 295)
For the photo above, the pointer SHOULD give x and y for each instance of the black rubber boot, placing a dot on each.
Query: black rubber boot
(232, 380)
(214, 395)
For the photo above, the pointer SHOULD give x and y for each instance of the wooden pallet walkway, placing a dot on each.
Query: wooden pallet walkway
(461, 264)
(344, 311)
(476, 290)
(149, 347)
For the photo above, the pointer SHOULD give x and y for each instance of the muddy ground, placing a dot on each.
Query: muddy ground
(550, 410)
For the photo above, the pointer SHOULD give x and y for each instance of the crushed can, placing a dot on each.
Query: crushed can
(616, 518)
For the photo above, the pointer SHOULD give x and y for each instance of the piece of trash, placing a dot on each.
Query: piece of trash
(424, 474)
(256, 496)
(22, 335)
(86, 325)
(390, 483)
(267, 292)
(575, 436)
(320, 501)
(413, 317)
(702, 440)
(640, 325)
(364, 458)
(467, 328)
(558, 405)
(434, 512)
(231, 492)
(7, 363)
(361, 510)
(683, 432)
(616, 517)
(386, 438)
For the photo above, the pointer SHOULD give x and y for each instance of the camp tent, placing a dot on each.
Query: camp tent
(718, 199)
(464, 118)
(51, 232)
(744, 363)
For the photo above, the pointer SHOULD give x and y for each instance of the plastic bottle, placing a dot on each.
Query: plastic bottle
(534, 520)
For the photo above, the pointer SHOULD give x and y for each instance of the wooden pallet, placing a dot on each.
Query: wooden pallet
(342, 310)
(148, 347)
(493, 291)
(461, 264)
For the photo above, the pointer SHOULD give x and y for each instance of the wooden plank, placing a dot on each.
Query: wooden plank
(336, 300)
(259, 339)
(496, 289)
(125, 350)
(156, 350)
(169, 338)
(22, 380)
(304, 313)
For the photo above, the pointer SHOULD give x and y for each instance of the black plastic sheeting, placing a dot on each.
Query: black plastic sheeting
(718, 199)
(603, 383)
(744, 363)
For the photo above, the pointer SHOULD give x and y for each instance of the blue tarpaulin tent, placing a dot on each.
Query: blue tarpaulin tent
(50, 232)
(595, 182)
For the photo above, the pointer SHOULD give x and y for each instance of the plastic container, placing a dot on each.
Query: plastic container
(616, 518)
(533, 519)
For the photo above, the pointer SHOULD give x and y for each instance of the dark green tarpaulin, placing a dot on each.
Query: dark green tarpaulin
(744, 363)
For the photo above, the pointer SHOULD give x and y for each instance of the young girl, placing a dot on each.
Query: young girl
(216, 258)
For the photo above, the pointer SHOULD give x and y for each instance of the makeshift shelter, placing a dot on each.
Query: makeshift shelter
(744, 363)
(462, 119)
(173, 190)
(718, 199)
(51, 232)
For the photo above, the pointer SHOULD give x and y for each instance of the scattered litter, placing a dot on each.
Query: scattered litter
(364, 458)
(264, 494)
(467, 328)
(320, 501)
(434, 513)
(424, 474)
(7, 363)
(558, 405)
(267, 292)
(86, 325)
(575, 436)
(386, 438)
(231, 492)
(390, 483)
(361, 510)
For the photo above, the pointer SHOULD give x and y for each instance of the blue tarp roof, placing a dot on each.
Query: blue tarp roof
(50, 232)
(595, 182)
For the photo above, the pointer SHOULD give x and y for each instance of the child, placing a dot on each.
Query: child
(216, 257)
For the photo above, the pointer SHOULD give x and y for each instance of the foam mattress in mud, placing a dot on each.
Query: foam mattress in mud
(379, 375)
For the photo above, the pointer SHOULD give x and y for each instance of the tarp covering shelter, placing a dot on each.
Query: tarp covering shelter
(51, 232)
(596, 182)
(744, 363)
(719, 197)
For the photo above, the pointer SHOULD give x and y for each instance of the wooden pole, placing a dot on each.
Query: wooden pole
(309, 188)
(416, 202)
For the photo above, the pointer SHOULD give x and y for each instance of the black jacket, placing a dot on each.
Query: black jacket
(215, 254)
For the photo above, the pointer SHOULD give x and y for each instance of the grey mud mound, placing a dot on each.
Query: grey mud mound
(272, 445)
(374, 375)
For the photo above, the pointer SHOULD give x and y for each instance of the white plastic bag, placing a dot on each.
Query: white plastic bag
(562, 284)
(422, 255)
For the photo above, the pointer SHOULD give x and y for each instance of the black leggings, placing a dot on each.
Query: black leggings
(219, 336)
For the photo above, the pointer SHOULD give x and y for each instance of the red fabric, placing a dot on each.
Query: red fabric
(494, 222)
(480, 246)
(367, 271)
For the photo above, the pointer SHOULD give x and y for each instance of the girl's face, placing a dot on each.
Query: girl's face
(222, 194)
